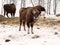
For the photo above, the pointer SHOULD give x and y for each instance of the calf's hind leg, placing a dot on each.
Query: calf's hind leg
(28, 27)
(32, 28)
(20, 25)
(24, 25)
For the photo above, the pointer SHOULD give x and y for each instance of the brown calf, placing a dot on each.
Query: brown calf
(27, 16)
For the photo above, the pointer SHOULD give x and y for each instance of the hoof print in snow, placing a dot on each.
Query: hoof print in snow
(35, 36)
(7, 40)
(44, 17)
(45, 41)
(10, 36)
(25, 34)
(38, 28)
(56, 33)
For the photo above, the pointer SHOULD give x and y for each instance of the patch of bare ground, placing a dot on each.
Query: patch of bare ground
(2, 18)
(35, 36)
(47, 22)
(8, 21)
(40, 22)
(57, 15)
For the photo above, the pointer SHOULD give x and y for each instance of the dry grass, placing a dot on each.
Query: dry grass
(47, 22)
(11, 21)
(57, 15)
(4, 20)
(41, 21)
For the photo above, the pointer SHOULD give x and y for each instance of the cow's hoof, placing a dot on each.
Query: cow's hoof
(25, 30)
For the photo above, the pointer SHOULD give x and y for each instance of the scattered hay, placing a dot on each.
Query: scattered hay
(2, 18)
(38, 28)
(58, 15)
(40, 22)
(35, 36)
(56, 33)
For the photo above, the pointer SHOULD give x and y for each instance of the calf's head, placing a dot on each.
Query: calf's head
(35, 13)
(40, 8)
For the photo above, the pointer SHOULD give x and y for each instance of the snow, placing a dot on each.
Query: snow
(43, 35)
(51, 16)
(46, 35)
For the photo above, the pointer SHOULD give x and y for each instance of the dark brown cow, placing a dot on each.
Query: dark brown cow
(27, 16)
(9, 8)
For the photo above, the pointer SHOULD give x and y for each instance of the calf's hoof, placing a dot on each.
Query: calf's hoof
(28, 33)
(32, 32)
(19, 30)
(25, 30)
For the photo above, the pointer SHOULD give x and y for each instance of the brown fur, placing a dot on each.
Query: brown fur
(9, 8)
(40, 8)
(27, 16)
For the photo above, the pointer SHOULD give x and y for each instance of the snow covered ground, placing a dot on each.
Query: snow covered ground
(42, 35)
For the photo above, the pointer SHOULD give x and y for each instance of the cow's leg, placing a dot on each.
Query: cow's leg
(11, 15)
(14, 14)
(4, 12)
(24, 25)
(32, 28)
(20, 25)
(28, 27)
(7, 14)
